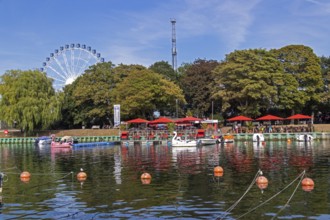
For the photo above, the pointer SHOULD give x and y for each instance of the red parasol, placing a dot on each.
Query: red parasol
(162, 120)
(299, 116)
(137, 121)
(240, 118)
(188, 119)
(269, 118)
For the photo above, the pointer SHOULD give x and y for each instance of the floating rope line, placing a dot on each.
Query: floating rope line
(287, 203)
(259, 173)
(258, 206)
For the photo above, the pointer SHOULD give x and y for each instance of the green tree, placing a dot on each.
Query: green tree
(28, 99)
(325, 69)
(248, 81)
(88, 99)
(300, 62)
(122, 70)
(143, 91)
(165, 69)
(195, 83)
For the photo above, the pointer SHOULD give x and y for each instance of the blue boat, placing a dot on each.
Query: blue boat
(89, 144)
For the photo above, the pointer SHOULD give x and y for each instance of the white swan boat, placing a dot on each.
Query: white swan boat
(258, 137)
(178, 142)
(304, 138)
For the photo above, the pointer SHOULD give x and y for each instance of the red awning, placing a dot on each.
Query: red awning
(188, 119)
(137, 121)
(269, 118)
(162, 120)
(299, 116)
(240, 118)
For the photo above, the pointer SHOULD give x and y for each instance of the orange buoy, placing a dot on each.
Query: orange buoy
(25, 176)
(262, 186)
(307, 184)
(81, 176)
(145, 178)
(220, 174)
(262, 180)
(218, 169)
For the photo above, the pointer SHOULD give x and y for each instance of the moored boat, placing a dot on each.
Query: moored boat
(61, 144)
(207, 141)
(43, 140)
(228, 138)
(305, 138)
(258, 137)
(178, 142)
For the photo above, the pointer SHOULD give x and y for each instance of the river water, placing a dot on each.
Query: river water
(183, 184)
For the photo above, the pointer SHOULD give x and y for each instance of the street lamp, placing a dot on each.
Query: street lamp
(176, 107)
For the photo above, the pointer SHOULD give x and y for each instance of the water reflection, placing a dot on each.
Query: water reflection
(183, 183)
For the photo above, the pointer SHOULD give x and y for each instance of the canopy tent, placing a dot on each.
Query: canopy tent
(269, 118)
(240, 118)
(188, 119)
(299, 116)
(161, 120)
(137, 121)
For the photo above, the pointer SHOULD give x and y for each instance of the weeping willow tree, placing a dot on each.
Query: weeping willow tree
(28, 100)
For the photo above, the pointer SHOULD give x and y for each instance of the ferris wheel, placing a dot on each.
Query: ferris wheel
(69, 62)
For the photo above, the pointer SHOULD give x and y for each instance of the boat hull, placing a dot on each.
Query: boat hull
(61, 145)
(305, 138)
(207, 141)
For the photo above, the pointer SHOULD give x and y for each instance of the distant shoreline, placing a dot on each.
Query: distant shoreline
(115, 132)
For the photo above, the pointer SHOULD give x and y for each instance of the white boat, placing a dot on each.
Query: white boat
(178, 142)
(258, 137)
(207, 141)
(305, 138)
(43, 140)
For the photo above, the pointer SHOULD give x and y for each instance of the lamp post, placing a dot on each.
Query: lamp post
(176, 107)
(212, 111)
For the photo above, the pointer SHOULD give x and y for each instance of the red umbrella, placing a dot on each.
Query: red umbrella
(137, 121)
(188, 119)
(240, 118)
(162, 120)
(269, 118)
(299, 116)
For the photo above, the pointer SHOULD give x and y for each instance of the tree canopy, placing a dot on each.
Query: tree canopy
(165, 69)
(195, 82)
(28, 100)
(144, 91)
(246, 82)
(300, 62)
(88, 99)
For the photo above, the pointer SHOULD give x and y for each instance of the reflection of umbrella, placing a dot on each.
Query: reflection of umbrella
(269, 118)
(299, 116)
(137, 121)
(188, 119)
(162, 120)
(240, 118)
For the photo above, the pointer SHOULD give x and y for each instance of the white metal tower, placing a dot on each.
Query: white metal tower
(174, 53)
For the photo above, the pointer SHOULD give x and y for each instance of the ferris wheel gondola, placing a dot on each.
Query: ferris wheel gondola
(68, 62)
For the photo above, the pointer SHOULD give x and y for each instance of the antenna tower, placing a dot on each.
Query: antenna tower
(174, 53)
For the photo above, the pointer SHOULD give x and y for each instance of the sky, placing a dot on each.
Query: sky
(140, 31)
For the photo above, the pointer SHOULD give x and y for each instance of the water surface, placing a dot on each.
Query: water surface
(183, 184)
